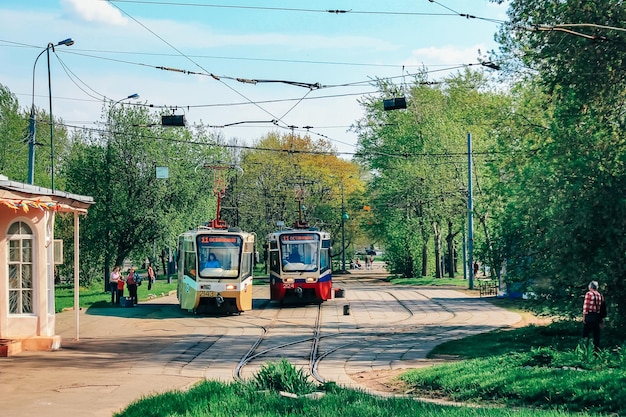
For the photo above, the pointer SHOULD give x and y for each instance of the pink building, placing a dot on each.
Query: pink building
(27, 259)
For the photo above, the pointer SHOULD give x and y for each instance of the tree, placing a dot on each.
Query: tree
(134, 210)
(567, 225)
(426, 142)
(13, 132)
(288, 176)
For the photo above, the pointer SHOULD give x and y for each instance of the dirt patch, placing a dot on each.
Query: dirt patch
(382, 381)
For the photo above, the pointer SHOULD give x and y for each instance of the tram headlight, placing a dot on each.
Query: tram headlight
(311, 279)
(288, 280)
(231, 287)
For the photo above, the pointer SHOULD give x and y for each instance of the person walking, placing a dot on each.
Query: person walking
(151, 276)
(131, 282)
(592, 317)
(113, 278)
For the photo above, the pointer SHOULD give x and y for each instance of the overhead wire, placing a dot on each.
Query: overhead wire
(290, 150)
(192, 61)
(280, 9)
(218, 78)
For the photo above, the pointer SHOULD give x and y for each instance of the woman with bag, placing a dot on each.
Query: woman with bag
(131, 281)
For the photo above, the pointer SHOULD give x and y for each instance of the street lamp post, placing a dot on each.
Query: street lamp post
(32, 124)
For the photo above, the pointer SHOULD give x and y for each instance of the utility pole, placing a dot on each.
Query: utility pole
(343, 232)
(470, 210)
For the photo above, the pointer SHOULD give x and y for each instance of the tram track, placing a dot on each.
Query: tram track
(254, 353)
(432, 326)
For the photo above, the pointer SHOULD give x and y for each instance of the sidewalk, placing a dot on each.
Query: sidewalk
(91, 377)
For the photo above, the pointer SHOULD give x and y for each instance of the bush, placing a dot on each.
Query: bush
(283, 376)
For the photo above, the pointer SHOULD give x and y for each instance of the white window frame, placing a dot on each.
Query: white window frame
(21, 295)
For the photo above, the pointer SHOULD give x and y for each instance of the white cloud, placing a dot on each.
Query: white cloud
(94, 11)
(447, 55)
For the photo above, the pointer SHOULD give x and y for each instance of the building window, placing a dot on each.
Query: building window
(20, 252)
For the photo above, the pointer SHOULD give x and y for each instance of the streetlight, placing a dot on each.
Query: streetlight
(31, 130)
(131, 97)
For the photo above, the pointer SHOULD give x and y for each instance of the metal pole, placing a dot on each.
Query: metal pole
(50, 45)
(343, 232)
(31, 145)
(32, 127)
(77, 274)
(470, 210)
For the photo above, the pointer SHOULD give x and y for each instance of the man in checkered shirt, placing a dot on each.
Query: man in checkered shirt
(591, 314)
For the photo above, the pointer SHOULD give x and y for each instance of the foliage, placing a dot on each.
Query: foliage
(282, 164)
(216, 399)
(13, 135)
(426, 281)
(93, 296)
(419, 190)
(564, 172)
(283, 376)
(542, 378)
(134, 210)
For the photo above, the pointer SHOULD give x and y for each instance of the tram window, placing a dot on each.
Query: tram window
(189, 259)
(246, 265)
(300, 255)
(324, 260)
(226, 250)
(274, 264)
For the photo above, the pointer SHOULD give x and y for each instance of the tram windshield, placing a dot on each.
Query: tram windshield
(300, 252)
(218, 256)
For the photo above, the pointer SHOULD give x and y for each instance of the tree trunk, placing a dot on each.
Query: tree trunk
(437, 243)
(425, 259)
(450, 242)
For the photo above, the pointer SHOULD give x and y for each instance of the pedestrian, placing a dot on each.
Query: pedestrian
(131, 282)
(113, 278)
(151, 276)
(120, 289)
(592, 317)
(475, 268)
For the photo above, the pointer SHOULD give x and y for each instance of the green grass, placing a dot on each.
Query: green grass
(217, 399)
(575, 380)
(96, 297)
(560, 335)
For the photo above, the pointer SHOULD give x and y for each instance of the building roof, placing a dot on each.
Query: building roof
(18, 195)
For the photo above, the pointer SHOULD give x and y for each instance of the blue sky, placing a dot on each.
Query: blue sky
(118, 45)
